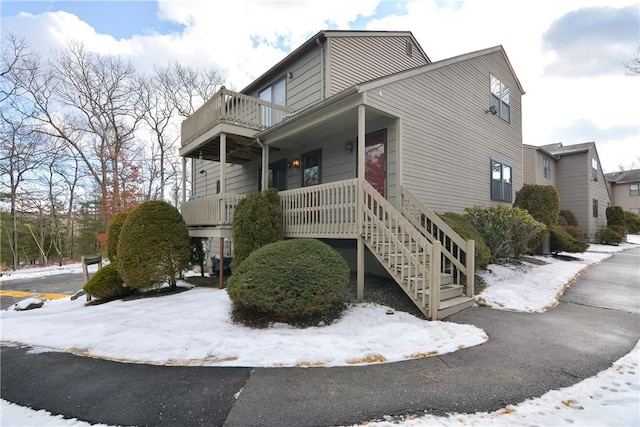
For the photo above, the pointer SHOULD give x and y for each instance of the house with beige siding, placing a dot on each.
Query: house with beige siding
(366, 138)
(576, 172)
(624, 187)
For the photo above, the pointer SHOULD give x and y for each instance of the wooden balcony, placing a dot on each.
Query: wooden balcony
(238, 115)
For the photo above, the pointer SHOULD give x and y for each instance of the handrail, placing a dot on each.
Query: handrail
(458, 252)
(389, 228)
(228, 106)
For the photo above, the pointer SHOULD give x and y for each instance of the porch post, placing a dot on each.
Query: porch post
(361, 201)
(221, 264)
(223, 162)
(184, 179)
(265, 167)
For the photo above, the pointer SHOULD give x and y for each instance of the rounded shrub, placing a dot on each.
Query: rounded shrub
(615, 216)
(561, 241)
(462, 225)
(113, 233)
(632, 222)
(106, 283)
(608, 236)
(569, 217)
(541, 201)
(257, 221)
(575, 232)
(289, 281)
(153, 246)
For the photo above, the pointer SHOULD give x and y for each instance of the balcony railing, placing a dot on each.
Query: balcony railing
(216, 210)
(227, 106)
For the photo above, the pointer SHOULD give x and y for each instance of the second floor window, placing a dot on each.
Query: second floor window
(595, 208)
(276, 94)
(501, 98)
(546, 165)
(501, 182)
(634, 190)
(594, 169)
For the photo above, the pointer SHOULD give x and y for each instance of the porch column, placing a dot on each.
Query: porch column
(184, 179)
(361, 177)
(265, 167)
(223, 162)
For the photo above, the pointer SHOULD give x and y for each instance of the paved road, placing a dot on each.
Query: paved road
(65, 283)
(596, 323)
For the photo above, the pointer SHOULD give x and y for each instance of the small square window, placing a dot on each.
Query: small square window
(634, 190)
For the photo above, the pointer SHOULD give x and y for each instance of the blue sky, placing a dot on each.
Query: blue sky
(568, 55)
(121, 19)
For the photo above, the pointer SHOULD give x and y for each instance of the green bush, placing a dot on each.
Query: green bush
(575, 232)
(113, 232)
(289, 281)
(197, 253)
(561, 241)
(569, 217)
(620, 229)
(257, 221)
(608, 236)
(507, 232)
(541, 201)
(615, 216)
(106, 283)
(632, 222)
(153, 247)
(562, 222)
(462, 225)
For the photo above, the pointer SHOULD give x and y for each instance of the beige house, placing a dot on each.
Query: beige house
(576, 172)
(366, 137)
(624, 187)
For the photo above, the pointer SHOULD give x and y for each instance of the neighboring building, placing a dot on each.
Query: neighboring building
(624, 187)
(576, 172)
(361, 132)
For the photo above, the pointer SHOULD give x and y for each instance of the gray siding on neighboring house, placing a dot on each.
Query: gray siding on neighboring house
(620, 196)
(533, 167)
(448, 140)
(356, 59)
(578, 190)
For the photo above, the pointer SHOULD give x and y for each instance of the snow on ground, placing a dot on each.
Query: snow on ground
(529, 287)
(153, 331)
(34, 272)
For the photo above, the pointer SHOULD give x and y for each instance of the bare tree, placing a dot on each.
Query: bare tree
(633, 65)
(19, 143)
(188, 88)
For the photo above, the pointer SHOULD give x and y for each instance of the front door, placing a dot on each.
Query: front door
(375, 160)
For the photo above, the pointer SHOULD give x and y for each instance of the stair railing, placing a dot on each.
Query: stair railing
(458, 255)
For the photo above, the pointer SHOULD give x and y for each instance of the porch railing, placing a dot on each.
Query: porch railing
(213, 210)
(227, 106)
(326, 210)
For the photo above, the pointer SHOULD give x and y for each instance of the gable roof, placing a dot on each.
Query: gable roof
(372, 84)
(623, 177)
(557, 149)
(318, 38)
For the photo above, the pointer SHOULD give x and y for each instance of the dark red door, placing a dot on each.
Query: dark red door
(375, 160)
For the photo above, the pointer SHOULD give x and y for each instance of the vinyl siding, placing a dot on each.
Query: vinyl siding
(305, 88)
(448, 139)
(573, 176)
(598, 191)
(529, 164)
(358, 59)
(620, 196)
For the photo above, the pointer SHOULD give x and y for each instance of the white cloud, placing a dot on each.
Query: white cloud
(244, 38)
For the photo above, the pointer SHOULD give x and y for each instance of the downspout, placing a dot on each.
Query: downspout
(322, 66)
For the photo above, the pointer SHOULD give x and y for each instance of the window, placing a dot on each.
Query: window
(501, 181)
(595, 208)
(546, 165)
(501, 98)
(277, 94)
(633, 190)
(409, 48)
(635, 210)
(594, 169)
(312, 168)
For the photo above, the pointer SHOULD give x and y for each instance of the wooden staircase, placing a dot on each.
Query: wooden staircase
(414, 258)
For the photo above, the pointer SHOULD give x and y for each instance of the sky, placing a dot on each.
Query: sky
(146, 330)
(569, 55)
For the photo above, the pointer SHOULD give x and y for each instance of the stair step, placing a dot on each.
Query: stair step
(447, 291)
(445, 279)
(399, 255)
(454, 305)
